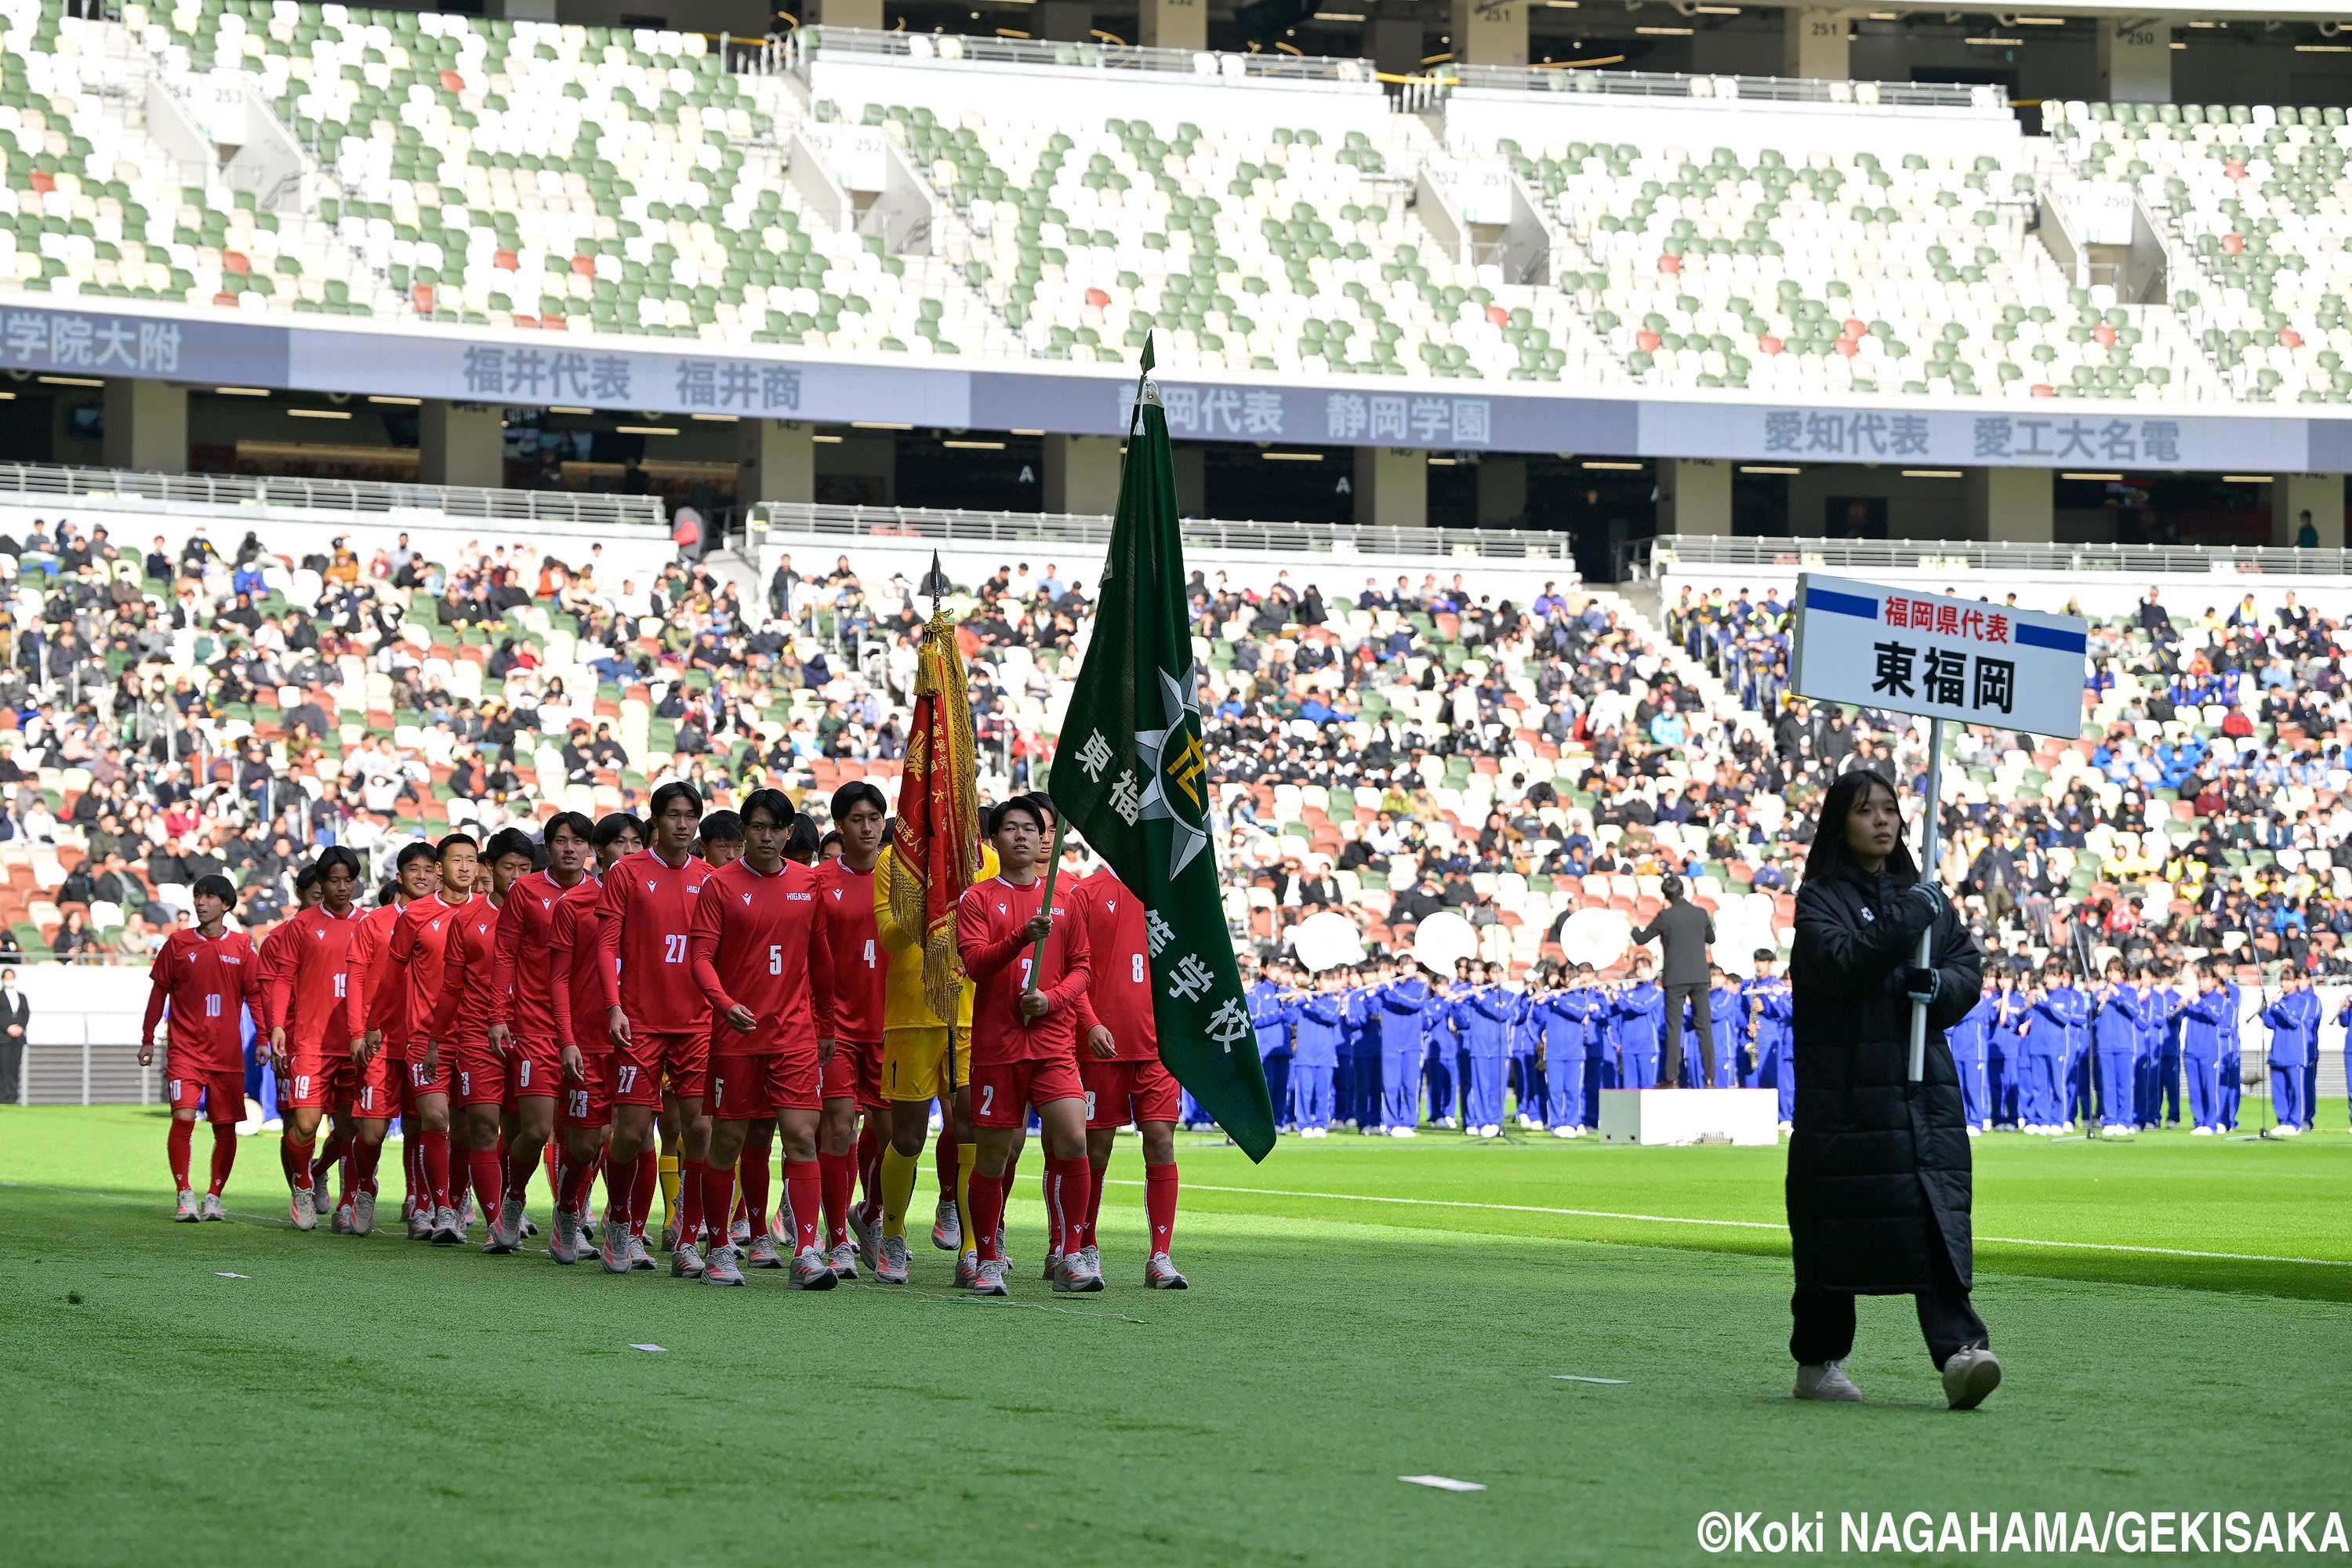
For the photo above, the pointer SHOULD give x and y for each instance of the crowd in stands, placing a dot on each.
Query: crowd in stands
(1407, 747)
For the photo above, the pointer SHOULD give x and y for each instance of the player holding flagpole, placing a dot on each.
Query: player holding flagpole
(761, 960)
(1028, 963)
(208, 976)
(657, 1018)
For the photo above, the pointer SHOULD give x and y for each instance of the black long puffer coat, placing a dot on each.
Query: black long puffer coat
(1879, 1168)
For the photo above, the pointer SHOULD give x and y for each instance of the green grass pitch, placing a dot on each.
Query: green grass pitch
(379, 1401)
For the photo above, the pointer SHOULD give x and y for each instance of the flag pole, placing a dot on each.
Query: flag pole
(1045, 904)
(1928, 873)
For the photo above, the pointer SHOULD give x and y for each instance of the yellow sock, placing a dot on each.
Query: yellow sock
(670, 1188)
(899, 1172)
(967, 1156)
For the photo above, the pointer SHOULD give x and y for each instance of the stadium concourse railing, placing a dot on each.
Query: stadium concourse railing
(1745, 89)
(1071, 528)
(1652, 557)
(31, 481)
(803, 44)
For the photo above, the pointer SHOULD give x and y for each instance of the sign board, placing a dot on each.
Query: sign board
(1963, 659)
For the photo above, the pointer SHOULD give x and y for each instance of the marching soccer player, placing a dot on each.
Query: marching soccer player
(655, 1016)
(307, 1044)
(274, 950)
(208, 977)
(1025, 1042)
(585, 1117)
(717, 841)
(761, 960)
(460, 1027)
(523, 1002)
(1118, 1064)
(383, 1089)
(853, 1075)
(401, 1009)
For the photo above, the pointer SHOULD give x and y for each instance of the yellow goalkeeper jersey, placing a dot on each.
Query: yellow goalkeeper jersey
(904, 1005)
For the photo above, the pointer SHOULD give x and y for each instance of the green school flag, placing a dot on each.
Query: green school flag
(1130, 774)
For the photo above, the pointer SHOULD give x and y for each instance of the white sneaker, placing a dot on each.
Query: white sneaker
(209, 1207)
(613, 1246)
(1970, 1375)
(304, 1208)
(947, 1227)
(865, 1232)
(1826, 1381)
(1160, 1273)
(890, 1263)
(686, 1262)
(2114, 1130)
(465, 1211)
(564, 1248)
(1788, 1127)
(1093, 1256)
(1053, 1265)
(669, 1236)
(763, 1254)
(184, 1209)
(341, 1225)
(1445, 1122)
(1076, 1276)
(740, 1232)
(506, 1229)
(1975, 1130)
(811, 1271)
(639, 1257)
(2289, 1130)
(1564, 1132)
(1490, 1130)
(448, 1230)
(2200, 1132)
(420, 1223)
(843, 1260)
(989, 1280)
(722, 1268)
(1405, 1132)
(363, 1213)
(966, 1270)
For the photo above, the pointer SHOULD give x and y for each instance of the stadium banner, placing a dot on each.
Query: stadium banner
(1938, 658)
(1129, 772)
(521, 367)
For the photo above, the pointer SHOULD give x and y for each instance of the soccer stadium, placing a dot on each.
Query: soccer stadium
(1394, 683)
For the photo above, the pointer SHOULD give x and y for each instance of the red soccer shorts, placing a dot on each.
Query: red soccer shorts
(1003, 1093)
(422, 1083)
(376, 1090)
(632, 1082)
(537, 1066)
(752, 1089)
(313, 1078)
(482, 1076)
(588, 1104)
(856, 1073)
(678, 1059)
(1122, 1092)
(221, 1092)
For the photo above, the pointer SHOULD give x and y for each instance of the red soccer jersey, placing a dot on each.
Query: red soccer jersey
(206, 981)
(306, 996)
(996, 957)
(418, 939)
(461, 1014)
(523, 982)
(572, 956)
(1118, 990)
(758, 944)
(644, 919)
(366, 963)
(860, 968)
(277, 952)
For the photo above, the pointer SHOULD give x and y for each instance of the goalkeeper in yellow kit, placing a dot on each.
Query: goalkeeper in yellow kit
(924, 1059)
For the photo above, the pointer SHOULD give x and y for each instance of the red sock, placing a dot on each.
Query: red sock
(690, 1199)
(224, 1154)
(339, 1139)
(175, 1144)
(298, 1161)
(869, 1167)
(987, 1209)
(364, 1156)
(578, 1179)
(838, 1176)
(519, 1180)
(1004, 1197)
(620, 1193)
(1160, 1203)
(553, 1157)
(482, 1164)
(506, 1171)
(1068, 1183)
(945, 1158)
(804, 1189)
(1094, 1200)
(641, 1191)
(718, 1193)
(433, 1155)
(412, 1162)
(753, 1175)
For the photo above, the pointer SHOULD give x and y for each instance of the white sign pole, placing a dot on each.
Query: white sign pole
(1935, 811)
